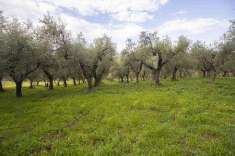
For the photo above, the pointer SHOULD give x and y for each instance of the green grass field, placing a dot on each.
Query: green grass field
(187, 117)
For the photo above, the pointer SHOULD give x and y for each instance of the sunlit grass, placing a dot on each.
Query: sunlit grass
(188, 117)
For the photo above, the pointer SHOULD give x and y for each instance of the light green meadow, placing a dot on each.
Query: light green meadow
(186, 118)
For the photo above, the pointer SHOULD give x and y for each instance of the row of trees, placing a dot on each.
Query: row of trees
(153, 56)
(48, 53)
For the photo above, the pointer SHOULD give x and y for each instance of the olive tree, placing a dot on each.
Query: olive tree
(64, 51)
(181, 59)
(95, 60)
(132, 57)
(158, 51)
(103, 53)
(47, 36)
(123, 69)
(204, 58)
(21, 52)
(225, 58)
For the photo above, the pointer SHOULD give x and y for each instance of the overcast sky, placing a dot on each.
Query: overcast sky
(204, 20)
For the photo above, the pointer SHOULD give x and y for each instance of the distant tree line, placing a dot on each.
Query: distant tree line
(48, 53)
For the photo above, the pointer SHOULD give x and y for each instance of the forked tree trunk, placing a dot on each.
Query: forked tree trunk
(18, 88)
(74, 81)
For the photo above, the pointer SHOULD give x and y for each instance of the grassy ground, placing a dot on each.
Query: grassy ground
(190, 117)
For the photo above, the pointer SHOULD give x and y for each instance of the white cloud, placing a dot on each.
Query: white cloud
(34, 10)
(119, 33)
(207, 29)
(132, 16)
(130, 13)
(27, 9)
(120, 10)
(124, 31)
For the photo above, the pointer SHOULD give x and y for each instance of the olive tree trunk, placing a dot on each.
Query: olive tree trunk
(225, 73)
(30, 84)
(174, 73)
(157, 76)
(51, 85)
(1, 86)
(74, 81)
(203, 73)
(50, 78)
(58, 83)
(97, 82)
(122, 79)
(137, 77)
(19, 88)
(65, 82)
(127, 78)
